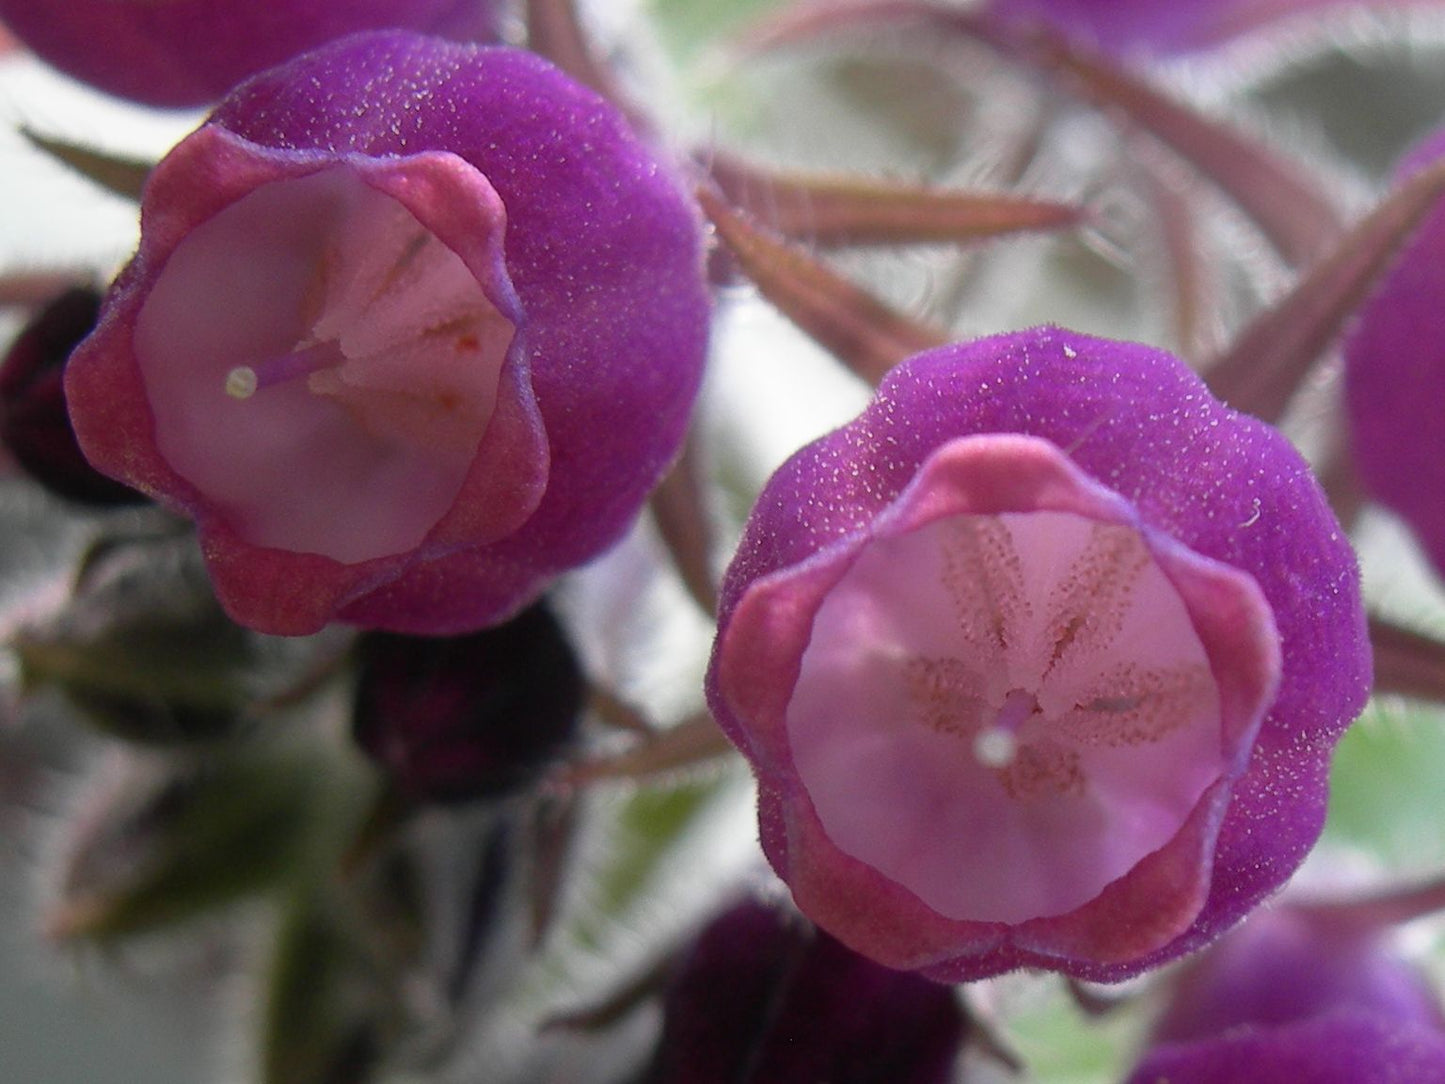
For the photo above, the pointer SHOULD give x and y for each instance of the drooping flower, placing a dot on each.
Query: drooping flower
(1028, 655)
(413, 327)
(1298, 995)
(191, 52)
(464, 717)
(761, 996)
(1394, 375)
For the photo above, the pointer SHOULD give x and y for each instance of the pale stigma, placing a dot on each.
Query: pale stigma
(241, 382)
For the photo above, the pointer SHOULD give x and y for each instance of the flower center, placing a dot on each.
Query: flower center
(1004, 713)
(997, 746)
(322, 367)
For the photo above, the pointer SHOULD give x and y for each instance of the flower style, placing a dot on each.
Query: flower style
(191, 52)
(413, 327)
(1298, 995)
(1039, 662)
(1393, 372)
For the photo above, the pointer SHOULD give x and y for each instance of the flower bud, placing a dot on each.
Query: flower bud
(144, 650)
(469, 717)
(1023, 654)
(34, 423)
(761, 996)
(154, 848)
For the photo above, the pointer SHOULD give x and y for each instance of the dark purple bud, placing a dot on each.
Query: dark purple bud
(190, 52)
(34, 422)
(762, 996)
(468, 717)
(1298, 995)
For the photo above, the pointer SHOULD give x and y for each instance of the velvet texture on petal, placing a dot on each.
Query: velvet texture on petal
(191, 52)
(1299, 996)
(1345, 1047)
(1026, 655)
(1154, 28)
(413, 327)
(1394, 376)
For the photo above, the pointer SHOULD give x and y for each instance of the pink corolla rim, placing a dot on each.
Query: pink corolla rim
(1220, 485)
(757, 671)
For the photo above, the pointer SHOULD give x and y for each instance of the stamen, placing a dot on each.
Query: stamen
(244, 381)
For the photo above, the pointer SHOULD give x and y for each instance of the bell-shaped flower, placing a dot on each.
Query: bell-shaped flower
(1395, 378)
(191, 52)
(1298, 995)
(413, 327)
(1027, 655)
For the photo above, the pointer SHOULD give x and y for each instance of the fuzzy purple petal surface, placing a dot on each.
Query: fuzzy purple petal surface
(1395, 378)
(1295, 994)
(190, 52)
(1288, 964)
(596, 266)
(1348, 1046)
(1154, 28)
(1223, 485)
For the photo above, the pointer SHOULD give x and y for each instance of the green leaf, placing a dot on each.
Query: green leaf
(125, 177)
(160, 849)
(1395, 751)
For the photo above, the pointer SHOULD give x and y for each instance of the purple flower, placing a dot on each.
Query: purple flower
(1295, 995)
(1026, 655)
(761, 996)
(1394, 376)
(1154, 27)
(190, 52)
(413, 327)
